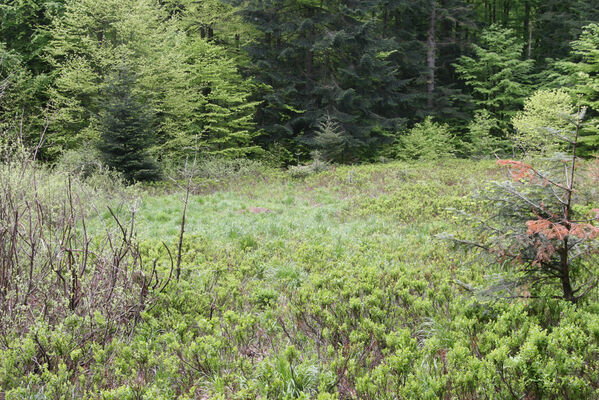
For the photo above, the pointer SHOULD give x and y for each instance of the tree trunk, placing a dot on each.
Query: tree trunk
(530, 39)
(385, 19)
(564, 253)
(431, 53)
(565, 273)
(309, 61)
(528, 29)
(507, 6)
(487, 12)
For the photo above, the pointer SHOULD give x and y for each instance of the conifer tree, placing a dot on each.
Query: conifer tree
(126, 129)
(558, 23)
(537, 226)
(331, 140)
(498, 77)
(323, 59)
(586, 74)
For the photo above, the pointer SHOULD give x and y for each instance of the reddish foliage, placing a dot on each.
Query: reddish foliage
(555, 230)
(518, 169)
(583, 231)
(544, 252)
(548, 228)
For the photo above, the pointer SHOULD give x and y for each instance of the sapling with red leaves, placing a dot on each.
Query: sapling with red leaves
(539, 226)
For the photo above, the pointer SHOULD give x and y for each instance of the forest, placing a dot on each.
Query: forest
(299, 199)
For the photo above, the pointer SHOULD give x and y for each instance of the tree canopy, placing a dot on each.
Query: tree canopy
(247, 79)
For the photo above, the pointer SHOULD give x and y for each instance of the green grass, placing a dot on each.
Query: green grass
(332, 286)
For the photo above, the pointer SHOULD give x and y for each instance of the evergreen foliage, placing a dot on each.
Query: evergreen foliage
(311, 280)
(499, 78)
(586, 72)
(331, 140)
(192, 86)
(246, 77)
(323, 59)
(537, 226)
(480, 141)
(558, 23)
(126, 129)
(427, 140)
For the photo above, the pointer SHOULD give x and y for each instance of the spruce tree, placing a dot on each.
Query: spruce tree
(496, 73)
(586, 73)
(324, 58)
(126, 129)
(558, 23)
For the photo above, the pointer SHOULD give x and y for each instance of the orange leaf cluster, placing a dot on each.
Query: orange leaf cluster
(554, 230)
(583, 231)
(544, 252)
(519, 170)
(548, 228)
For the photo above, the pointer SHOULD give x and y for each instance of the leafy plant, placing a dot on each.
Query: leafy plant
(538, 126)
(302, 171)
(481, 141)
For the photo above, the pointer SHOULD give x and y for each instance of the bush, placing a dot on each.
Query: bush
(67, 286)
(317, 165)
(480, 141)
(545, 117)
(83, 162)
(427, 140)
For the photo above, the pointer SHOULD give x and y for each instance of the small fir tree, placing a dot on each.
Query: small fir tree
(427, 140)
(126, 129)
(331, 140)
(586, 70)
(539, 226)
(480, 142)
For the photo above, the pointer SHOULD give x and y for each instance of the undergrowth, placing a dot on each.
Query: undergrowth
(325, 287)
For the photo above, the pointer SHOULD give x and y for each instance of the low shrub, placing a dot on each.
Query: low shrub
(427, 140)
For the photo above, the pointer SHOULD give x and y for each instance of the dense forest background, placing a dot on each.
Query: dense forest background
(279, 80)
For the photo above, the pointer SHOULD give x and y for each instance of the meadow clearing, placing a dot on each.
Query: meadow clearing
(332, 285)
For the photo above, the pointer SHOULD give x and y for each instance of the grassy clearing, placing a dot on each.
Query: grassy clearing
(327, 287)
